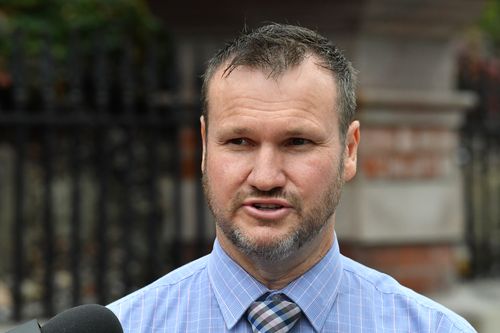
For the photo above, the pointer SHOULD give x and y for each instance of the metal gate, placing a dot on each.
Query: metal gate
(94, 153)
(481, 143)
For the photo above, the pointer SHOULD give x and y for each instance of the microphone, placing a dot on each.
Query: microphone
(88, 318)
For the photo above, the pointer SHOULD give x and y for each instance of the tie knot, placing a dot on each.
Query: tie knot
(276, 314)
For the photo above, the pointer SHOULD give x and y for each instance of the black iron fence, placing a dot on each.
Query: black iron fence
(481, 143)
(98, 166)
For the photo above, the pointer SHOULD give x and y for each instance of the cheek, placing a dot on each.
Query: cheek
(312, 175)
(226, 172)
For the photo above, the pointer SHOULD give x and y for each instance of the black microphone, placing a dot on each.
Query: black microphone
(88, 318)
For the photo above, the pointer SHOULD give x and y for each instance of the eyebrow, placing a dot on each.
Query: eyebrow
(239, 130)
(295, 131)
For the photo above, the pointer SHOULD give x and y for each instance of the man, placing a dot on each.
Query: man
(279, 140)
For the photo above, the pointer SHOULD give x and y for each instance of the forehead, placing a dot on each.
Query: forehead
(307, 85)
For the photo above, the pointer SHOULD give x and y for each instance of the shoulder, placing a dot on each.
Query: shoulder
(389, 299)
(169, 286)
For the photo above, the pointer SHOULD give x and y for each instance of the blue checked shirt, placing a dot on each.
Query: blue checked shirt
(212, 294)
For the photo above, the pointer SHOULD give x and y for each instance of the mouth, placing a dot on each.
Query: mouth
(267, 209)
(262, 206)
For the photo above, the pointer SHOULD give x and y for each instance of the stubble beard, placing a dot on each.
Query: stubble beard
(311, 222)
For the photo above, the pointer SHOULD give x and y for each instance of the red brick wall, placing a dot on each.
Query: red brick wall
(405, 152)
(421, 267)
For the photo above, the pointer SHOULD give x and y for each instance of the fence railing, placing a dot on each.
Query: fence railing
(481, 143)
(95, 200)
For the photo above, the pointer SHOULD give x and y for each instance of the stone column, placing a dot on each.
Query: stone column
(404, 211)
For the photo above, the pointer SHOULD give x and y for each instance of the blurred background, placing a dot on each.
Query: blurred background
(100, 188)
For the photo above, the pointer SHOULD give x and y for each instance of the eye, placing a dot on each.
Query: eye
(238, 141)
(298, 142)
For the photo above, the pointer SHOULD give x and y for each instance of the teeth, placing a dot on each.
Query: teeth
(267, 206)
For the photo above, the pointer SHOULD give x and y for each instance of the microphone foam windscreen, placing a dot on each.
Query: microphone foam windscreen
(89, 318)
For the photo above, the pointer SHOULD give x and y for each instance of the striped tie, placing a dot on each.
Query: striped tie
(274, 315)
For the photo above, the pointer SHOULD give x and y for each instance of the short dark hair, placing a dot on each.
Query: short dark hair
(275, 48)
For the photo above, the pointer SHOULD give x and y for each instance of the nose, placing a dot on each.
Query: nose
(267, 170)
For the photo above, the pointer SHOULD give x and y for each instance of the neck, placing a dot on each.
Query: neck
(277, 275)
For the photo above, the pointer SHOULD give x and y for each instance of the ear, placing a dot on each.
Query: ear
(203, 130)
(351, 150)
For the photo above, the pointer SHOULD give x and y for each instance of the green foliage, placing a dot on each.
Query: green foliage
(490, 23)
(56, 20)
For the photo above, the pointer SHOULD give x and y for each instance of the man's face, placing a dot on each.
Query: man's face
(273, 164)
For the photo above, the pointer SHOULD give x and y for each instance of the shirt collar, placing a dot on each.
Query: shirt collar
(314, 292)
(233, 287)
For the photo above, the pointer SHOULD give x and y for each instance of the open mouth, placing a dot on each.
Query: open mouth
(262, 206)
(267, 209)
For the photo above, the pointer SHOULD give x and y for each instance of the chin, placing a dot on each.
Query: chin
(267, 233)
(265, 245)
